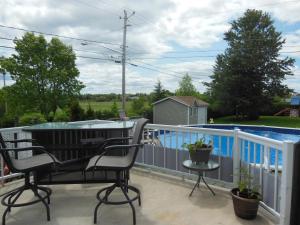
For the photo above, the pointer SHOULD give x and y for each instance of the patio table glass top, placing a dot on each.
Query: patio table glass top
(89, 125)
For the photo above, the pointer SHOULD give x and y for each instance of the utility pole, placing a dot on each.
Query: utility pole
(125, 18)
(4, 84)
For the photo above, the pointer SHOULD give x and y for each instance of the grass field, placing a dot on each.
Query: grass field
(101, 105)
(279, 121)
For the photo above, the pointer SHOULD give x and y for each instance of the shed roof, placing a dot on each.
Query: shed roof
(190, 101)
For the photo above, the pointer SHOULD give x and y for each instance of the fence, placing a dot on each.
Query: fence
(269, 161)
(265, 159)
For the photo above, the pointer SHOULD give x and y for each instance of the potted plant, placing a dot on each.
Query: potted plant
(199, 151)
(245, 197)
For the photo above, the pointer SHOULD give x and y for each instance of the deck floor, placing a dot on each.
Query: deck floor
(164, 202)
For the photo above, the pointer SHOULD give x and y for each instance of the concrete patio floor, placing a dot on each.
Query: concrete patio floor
(165, 201)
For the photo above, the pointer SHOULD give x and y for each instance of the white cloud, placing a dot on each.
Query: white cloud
(157, 27)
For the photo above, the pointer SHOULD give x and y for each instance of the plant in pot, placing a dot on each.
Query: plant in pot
(245, 197)
(199, 151)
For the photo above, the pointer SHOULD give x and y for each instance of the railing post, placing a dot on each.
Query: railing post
(286, 182)
(236, 156)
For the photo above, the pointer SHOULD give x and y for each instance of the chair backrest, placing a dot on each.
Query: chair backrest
(136, 139)
(5, 155)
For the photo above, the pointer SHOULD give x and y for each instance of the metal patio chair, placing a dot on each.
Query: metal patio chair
(27, 166)
(119, 164)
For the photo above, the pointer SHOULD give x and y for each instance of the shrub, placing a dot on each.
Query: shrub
(90, 113)
(32, 118)
(76, 112)
(8, 120)
(61, 116)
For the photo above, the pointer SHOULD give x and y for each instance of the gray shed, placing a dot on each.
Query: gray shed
(180, 110)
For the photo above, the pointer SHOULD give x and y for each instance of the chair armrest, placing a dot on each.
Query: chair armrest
(107, 142)
(20, 140)
(118, 139)
(33, 148)
(92, 140)
(112, 147)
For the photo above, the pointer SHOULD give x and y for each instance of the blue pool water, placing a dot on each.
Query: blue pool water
(223, 145)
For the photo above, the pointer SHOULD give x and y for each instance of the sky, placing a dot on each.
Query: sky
(165, 40)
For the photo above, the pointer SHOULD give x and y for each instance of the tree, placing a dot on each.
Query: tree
(186, 87)
(114, 109)
(76, 112)
(159, 92)
(250, 72)
(45, 73)
(90, 113)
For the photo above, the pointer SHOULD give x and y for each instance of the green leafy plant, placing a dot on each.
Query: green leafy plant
(246, 188)
(198, 145)
(32, 118)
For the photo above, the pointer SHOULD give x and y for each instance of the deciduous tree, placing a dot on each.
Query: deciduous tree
(45, 73)
(186, 87)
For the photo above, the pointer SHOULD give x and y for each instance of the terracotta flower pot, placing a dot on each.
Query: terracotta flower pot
(200, 155)
(244, 207)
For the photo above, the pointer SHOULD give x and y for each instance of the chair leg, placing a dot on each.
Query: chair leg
(8, 207)
(35, 191)
(109, 191)
(139, 199)
(130, 203)
(96, 211)
(12, 195)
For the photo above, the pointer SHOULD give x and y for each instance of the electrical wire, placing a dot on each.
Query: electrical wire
(56, 35)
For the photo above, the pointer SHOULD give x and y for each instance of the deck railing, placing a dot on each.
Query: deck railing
(269, 161)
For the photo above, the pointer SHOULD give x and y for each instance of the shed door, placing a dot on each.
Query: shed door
(201, 115)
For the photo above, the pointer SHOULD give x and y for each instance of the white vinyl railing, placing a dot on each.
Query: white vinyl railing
(263, 157)
(269, 161)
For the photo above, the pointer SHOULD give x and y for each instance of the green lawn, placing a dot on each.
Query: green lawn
(101, 105)
(279, 121)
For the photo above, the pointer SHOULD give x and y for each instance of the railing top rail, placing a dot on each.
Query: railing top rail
(190, 129)
(261, 140)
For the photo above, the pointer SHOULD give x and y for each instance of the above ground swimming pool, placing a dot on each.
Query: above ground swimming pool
(168, 139)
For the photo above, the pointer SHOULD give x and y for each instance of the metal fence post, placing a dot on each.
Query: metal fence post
(236, 156)
(286, 182)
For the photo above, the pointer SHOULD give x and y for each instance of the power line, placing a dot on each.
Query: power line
(2, 46)
(96, 58)
(175, 52)
(144, 67)
(172, 71)
(117, 51)
(79, 56)
(163, 72)
(56, 35)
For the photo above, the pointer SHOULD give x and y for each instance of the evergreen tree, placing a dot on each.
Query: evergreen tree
(249, 74)
(114, 109)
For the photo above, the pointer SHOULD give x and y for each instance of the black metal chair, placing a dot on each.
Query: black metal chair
(119, 164)
(27, 166)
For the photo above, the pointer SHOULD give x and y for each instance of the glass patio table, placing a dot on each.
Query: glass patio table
(67, 141)
(200, 168)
